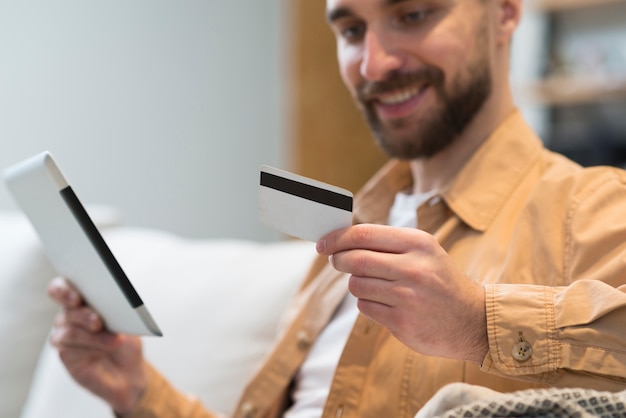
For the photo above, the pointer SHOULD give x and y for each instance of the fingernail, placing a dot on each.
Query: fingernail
(54, 289)
(321, 246)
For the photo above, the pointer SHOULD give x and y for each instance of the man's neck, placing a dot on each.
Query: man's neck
(436, 172)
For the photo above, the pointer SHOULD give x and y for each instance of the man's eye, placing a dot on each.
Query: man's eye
(414, 17)
(352, 33)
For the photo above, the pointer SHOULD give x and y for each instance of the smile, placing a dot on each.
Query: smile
(399, 97)
(399, 104)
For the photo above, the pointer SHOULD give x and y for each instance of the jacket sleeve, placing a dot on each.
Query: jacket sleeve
(161, 400)
(562, 336)
(571, 334)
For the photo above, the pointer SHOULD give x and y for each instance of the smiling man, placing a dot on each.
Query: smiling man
(419, 72)
(477, 255)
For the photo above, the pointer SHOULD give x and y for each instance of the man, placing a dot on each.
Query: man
(515, 277)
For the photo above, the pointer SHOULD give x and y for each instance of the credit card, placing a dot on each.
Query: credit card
(302, 207)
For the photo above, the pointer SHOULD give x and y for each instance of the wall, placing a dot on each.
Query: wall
(162, 109)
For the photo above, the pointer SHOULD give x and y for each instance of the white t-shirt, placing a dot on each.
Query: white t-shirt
(315, 376)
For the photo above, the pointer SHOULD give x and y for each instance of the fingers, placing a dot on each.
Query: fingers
(60, 291)
(380, 238)
(76, 325)
(383, 252)
(67, 336)
(83, 317)
(362, 250)
(74, 312)
(366, 263)
(391, 293)
(372, 290)
(81, 328)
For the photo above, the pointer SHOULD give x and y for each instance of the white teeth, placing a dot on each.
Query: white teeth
(399, 96)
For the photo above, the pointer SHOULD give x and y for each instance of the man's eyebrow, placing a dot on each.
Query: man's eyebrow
(338, 13)
(392, 2)
(342, 12)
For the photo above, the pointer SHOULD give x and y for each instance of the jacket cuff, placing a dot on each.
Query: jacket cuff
(521, 330)
(161, 400)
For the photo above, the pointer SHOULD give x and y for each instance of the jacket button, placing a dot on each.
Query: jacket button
(303, 340)
(522, 351)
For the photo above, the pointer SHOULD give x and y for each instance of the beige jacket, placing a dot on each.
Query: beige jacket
(545, 237)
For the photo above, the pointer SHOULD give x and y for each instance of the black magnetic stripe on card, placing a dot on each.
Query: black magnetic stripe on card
(101, 247)
(306, 191)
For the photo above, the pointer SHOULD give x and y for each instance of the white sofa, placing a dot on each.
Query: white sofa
(218, 302)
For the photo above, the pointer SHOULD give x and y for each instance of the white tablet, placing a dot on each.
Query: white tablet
(74, 246)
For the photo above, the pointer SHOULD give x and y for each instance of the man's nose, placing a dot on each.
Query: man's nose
(379, 58)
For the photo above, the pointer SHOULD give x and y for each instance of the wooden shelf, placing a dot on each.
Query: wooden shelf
(564, 5)
(559, 91)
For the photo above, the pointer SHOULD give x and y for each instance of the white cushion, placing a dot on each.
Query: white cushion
(25, 312)
(218, 303)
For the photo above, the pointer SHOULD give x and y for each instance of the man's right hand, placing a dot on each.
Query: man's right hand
(109, 365)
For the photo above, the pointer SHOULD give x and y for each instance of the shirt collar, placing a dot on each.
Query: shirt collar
(480, 188)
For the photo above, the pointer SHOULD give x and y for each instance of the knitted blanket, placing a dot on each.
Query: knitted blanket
(466, 401)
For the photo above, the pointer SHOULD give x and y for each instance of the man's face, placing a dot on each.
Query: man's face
(418, 69)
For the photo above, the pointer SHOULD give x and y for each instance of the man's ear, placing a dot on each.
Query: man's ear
(509, 15)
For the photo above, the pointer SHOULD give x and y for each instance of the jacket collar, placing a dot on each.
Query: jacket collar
(477, 192)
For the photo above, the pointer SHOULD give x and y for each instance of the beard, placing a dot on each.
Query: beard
(407, 140)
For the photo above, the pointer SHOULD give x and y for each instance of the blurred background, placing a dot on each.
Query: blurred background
(162, 109)
(165, 110)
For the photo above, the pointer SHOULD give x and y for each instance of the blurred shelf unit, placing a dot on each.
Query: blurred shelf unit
(587, 69)
(572, 90)
(579, 83)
